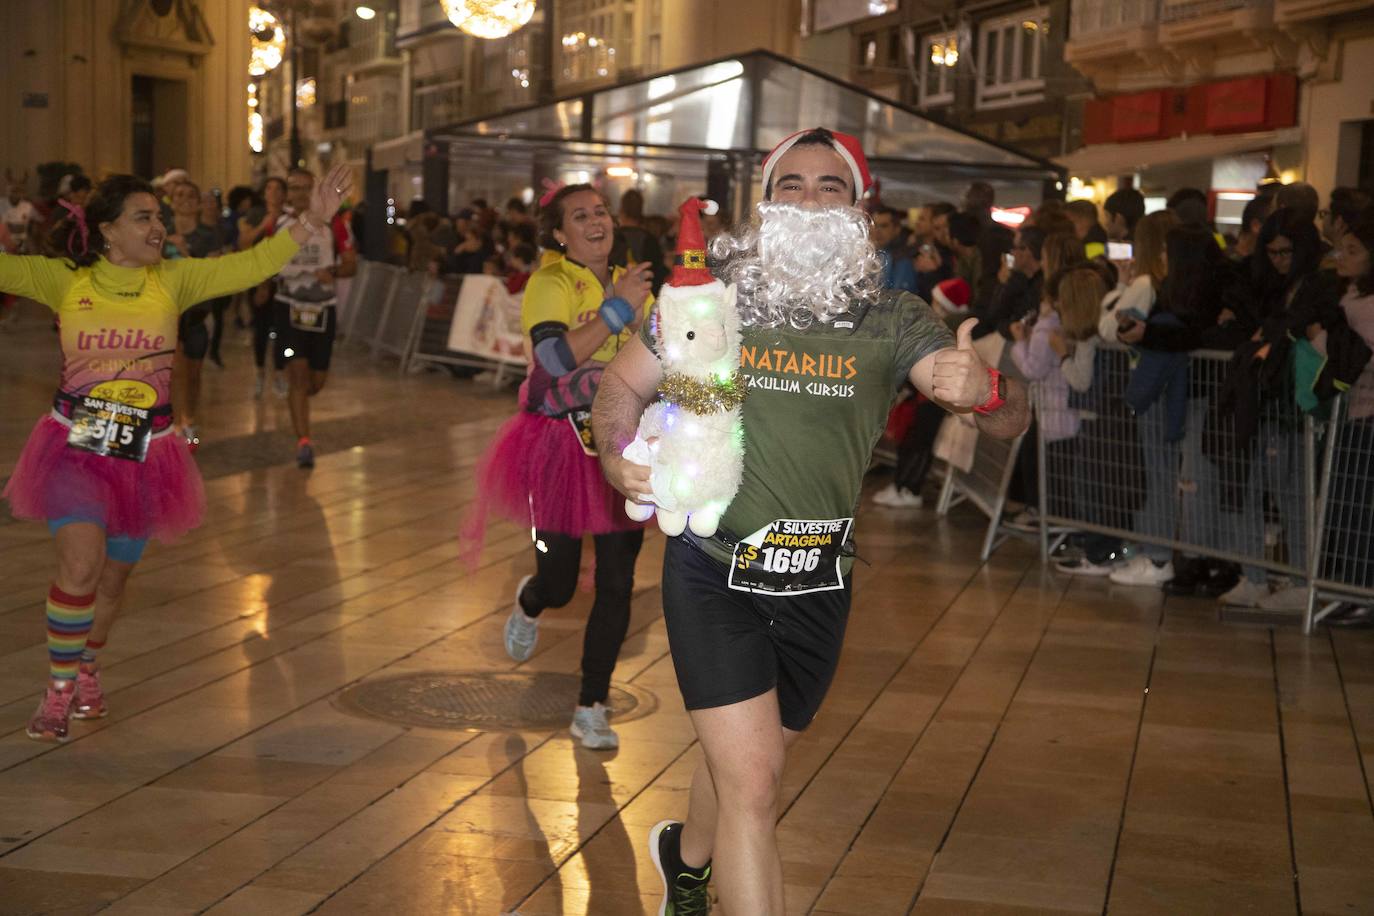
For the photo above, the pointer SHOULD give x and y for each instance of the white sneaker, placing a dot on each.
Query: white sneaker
(895, 497)
(522, 631)
(1142, 571)
(1245, 594)
(1082, 566)
(590, 726)
(1293, 598)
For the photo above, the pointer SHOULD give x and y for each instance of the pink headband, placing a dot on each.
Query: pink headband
(79, 214)
(551, 188)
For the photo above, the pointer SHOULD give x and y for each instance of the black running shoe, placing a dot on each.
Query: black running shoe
(684, 889)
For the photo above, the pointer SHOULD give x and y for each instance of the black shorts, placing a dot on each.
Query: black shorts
(193, 334)
(317, 347)
(729, 646)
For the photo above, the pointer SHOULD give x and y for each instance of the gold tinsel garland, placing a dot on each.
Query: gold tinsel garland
(703, 398)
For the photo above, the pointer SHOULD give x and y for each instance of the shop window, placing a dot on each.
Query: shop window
(939, 54)
(1010, 51)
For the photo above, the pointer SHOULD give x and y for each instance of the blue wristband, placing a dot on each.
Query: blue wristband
(617, 313)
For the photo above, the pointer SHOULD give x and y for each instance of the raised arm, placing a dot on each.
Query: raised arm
(35, 277)
(195, 281)
(627, 386)
(956, 379)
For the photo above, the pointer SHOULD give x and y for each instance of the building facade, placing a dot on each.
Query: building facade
(125, 86)
(995, 69)
(1221, 94)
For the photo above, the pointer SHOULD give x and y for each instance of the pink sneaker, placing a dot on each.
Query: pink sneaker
(49, 722)
(90, 699)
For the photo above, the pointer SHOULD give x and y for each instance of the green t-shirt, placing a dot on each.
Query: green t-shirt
(817, 404)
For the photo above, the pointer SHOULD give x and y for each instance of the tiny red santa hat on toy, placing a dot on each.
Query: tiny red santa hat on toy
(690, 267)
(848, 148)
(953, 295)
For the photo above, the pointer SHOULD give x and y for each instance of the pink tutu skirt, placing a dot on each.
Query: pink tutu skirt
(535, 473)
(160, 497)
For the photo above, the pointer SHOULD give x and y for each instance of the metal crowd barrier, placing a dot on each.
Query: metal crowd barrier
(984, 483)
(1192, 469)
(430, 344)
(369, 295)
(1343, 554)
(388, 313)
(398, 324)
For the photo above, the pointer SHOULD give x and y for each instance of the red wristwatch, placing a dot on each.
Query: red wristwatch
(998, 397)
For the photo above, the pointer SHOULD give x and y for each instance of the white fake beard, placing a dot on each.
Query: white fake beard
(798, 265)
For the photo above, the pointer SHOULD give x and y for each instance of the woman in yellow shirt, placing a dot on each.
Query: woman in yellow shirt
(542, 471)
(102, 468)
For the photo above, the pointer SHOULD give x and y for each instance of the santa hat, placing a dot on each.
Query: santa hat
(848, 148)
(690, 269)
(953, 295)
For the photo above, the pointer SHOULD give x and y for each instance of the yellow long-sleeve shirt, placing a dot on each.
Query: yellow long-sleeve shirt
(119, 324)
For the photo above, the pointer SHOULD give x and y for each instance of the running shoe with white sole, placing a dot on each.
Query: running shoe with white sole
(1245, 594)
(590, 726)
(1142, 571)
(1293, 598)
(895, 497)
(51, 720)
(90, 698)
(1082, 566)
(684, 889)
(522, 630)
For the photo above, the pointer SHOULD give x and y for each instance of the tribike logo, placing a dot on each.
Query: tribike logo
(126, 391)
(116, 339)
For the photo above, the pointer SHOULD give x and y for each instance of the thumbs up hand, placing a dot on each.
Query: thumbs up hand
(959, 377)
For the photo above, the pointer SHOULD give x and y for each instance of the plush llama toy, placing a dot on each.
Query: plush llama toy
(697, 448)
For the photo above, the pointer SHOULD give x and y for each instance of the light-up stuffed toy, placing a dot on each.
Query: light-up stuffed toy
(693, 437)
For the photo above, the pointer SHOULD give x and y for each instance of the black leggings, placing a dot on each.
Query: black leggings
(262, 330)
(217, 310)
(555, 581)
(916, 449)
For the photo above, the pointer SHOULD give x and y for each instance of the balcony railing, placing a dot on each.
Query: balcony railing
(369, 44)
(1093, 17)
(1181, 10)
(437, 106)
(374, 111)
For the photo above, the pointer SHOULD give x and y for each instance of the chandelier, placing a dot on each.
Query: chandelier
(488, 18)
(255, 122)
(267, 41)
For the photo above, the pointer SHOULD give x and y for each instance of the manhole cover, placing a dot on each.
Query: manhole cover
(488, 700)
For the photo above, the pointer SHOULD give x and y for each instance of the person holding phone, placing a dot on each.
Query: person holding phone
(1020, 283)
(542, 471)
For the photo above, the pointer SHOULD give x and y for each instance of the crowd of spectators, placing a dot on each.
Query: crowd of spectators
(1206, 452)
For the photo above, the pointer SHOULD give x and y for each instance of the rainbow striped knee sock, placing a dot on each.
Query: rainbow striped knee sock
(69, 621)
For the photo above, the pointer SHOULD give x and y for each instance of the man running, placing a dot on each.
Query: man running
(304, 312)
(756, 615)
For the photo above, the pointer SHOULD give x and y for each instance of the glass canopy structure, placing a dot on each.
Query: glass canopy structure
(705, 129)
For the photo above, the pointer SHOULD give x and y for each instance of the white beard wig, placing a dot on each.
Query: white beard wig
(798, 265)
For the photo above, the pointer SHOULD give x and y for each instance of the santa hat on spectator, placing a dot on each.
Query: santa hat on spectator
(848, 148)
(952, 296)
